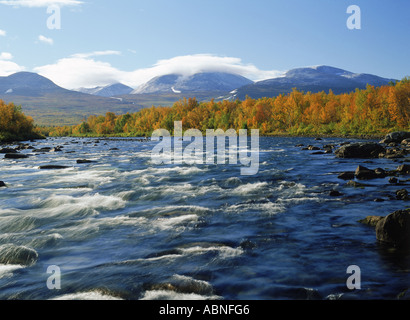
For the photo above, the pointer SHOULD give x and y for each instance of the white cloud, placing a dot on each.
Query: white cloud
(81, 70)
(6, 56)
(45, 39)
(40, 3)
(3, 33)
(8, 67)
(95, 54)
(72, 73)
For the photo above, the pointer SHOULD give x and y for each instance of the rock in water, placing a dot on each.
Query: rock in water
(396, 137)
(12, 254)
(8, 150)
(348, 175)
(404, 169)
(362, 173)
(360, 150)
(402, 194)
(52, 167)
(84, 161)
(395, 229)
(2, 184)
(15, 156)
(371, 220)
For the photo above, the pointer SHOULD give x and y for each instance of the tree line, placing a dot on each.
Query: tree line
(14, 125)
(371, 111)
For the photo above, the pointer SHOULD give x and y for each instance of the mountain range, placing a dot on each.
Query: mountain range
(50, 104)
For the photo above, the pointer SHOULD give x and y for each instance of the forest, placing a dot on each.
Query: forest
(14, 125)
(372, 111)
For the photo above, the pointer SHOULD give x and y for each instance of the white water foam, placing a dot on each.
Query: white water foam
(6, 271)
(92, 295)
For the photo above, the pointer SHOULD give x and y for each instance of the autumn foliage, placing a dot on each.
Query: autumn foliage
(375, 110)
(14, 125)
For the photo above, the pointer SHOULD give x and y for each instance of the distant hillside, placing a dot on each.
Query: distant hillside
(50, 104)
(113, 90)
(313, 79)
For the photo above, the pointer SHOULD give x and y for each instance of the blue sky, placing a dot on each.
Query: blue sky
(131, 41)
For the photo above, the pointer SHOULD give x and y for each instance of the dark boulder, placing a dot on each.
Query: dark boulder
(8, 150)
(396, 137)
(404, 169)
(356, 184)
(335, 193)
(393, 153)
(2, 184)
(406, 142)
(52, 167)
(394, 229)
(371, 220)
(15, 156)
(348, 175)
(363, 150)
(82, 161)
(402, 194)
(362, 173)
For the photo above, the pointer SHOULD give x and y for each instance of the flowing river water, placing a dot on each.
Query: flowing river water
(121, 227)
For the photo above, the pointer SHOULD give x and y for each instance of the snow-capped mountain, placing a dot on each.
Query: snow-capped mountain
(113, 90)
(313, 79)
(199, 82)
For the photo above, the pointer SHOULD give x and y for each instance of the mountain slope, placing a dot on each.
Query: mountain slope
(199, 82)
(314, 79)
(50, 104)
(113, 90)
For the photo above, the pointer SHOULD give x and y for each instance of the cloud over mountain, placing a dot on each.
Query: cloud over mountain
(85, 70)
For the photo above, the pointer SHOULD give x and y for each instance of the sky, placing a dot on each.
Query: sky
(88, 43)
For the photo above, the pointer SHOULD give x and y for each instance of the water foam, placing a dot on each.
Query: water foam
(91, 295)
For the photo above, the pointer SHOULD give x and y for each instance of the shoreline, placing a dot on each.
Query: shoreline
(273, 135)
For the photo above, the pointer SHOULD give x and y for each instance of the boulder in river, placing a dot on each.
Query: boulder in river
(363, 150)
(15, 156)
(371, 220)
(52, 167)
(402, 194)
(362, 173)
(8, 150)
(348, 175)
(394, 229)
(396, 137)
(406, 142)
(404, 169)
(17, 255)
(82, 161)
(2, 184)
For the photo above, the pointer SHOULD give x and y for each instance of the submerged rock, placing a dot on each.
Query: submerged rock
(8, 150)
(402, 194)
(360, 150)
(363, 173)
(394, 229)
(335, 193)
(348, 175)
(81, 161)
(356, 184)
(52, 167)
(404, 169)
(15, 156)
(17, 255)
(371, 220)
